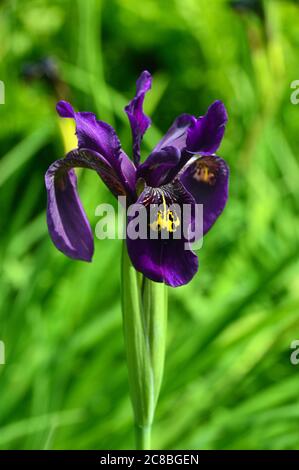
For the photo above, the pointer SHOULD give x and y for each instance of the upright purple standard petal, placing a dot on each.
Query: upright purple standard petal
(205, 135)
(206, 179)
(163, 260)
(99, 137)
(177, 134)
(166, 160)
(138, 120)
(158, 167)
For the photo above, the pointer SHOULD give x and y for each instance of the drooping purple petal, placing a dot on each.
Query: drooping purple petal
(158, 167)
(167, 262)
(177, 133)
(138, 120)
(92, 134)
(205, 135)
(206, 179)
(163, 260)
(67, 223)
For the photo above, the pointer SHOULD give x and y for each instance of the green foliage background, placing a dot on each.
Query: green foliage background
(229, 383)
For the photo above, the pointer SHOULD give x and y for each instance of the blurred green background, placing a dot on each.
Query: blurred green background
(229, 383)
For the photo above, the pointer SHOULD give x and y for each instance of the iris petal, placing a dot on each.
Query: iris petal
(92, 134)
(170, 262)
(164, 260)
(206, 179)
(138, 120)
(177, 133)
(205, 135)
(67, 222)
(99, 137)
(158, 167)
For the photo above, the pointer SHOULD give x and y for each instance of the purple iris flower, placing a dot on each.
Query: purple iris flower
(182, 169)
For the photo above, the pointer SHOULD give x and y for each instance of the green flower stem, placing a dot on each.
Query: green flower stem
(144, 308)
(143, 437)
